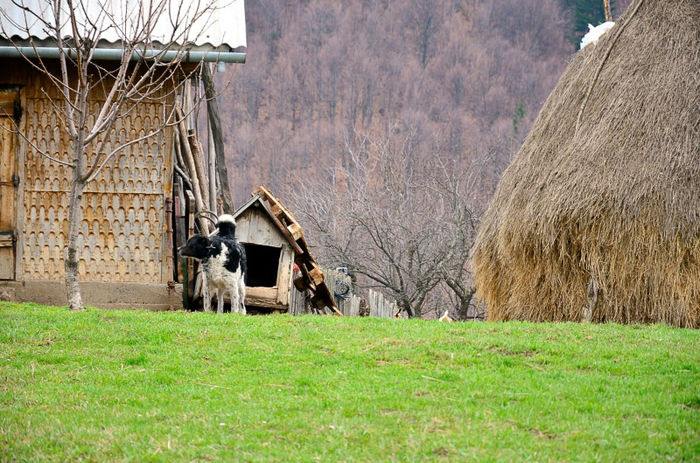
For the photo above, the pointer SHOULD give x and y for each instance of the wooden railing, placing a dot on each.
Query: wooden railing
(349, 304)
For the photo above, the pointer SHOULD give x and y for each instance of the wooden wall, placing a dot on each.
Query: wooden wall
(123, 233)
(254, 226)
(8, 172)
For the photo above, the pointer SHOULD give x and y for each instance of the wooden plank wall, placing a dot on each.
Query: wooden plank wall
(123, 232)
(255, 227)
(8, 176)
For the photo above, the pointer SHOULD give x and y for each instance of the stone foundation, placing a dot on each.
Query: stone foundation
(98, 294)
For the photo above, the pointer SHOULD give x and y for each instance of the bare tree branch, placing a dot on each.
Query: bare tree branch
(396, 220)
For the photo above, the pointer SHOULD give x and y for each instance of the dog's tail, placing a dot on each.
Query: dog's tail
(226, 225)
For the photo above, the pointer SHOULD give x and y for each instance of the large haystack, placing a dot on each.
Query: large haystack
(601, 222)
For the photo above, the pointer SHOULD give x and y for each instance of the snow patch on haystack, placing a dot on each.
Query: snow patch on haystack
(594, 33)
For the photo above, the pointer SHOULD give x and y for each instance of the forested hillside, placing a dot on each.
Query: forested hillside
(385, 126)
(465, 78)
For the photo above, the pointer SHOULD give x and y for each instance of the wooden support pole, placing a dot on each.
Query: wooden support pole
(190, 276)
(202, 175)
(218, 138)
(196, 190)
(211, 152)
(178, 151)
(170, 254)
(212, 172)
(180, 236)
(606, 6)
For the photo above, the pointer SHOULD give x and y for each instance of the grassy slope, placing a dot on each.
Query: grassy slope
(133, 385)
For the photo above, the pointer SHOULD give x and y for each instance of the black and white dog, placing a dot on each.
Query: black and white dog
(223, 262)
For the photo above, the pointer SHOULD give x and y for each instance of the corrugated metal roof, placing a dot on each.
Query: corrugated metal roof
(222, 25)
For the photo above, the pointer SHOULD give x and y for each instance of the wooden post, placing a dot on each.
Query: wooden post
(218, 139)
(179, 228)
(178, 152)
(606, 6)
(190, 276)
(202, 175)
(199, 203)
(211, 154)
(212, 172)
(170, 246)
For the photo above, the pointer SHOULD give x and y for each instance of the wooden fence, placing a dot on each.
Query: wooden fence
(340, 286)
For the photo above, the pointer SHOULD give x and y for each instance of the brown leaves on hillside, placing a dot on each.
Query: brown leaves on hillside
(320, 71)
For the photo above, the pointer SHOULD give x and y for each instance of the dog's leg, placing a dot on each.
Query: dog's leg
(235, 303)
(206, 294)
(220, 300)
(241, 294)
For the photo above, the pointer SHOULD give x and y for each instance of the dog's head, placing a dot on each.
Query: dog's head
(197, 247)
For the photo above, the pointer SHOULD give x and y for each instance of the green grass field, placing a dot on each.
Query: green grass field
(174, 386)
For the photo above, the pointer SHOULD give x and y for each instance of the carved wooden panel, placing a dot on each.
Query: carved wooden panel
(122, 234)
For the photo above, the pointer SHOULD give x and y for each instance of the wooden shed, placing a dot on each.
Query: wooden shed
(126, 248)
(124, 251)
(274, 243)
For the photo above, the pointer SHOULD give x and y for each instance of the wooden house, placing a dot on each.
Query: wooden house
(127, 255)
(278, 257)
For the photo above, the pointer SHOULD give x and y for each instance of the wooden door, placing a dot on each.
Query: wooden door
(9, 181)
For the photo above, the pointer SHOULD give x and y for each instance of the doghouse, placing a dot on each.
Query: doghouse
(126, 251)
(269, 253)
(274, 243)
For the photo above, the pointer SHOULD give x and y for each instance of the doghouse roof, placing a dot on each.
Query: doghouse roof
(256, 201)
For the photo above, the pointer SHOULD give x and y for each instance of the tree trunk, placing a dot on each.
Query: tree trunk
(464, 302)
(75, 218)
(406, 305)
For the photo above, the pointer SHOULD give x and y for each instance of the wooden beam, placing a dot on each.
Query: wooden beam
(217, 134)
(295, 231)
(190, 277)
(264, 302)
(275, 206)
(606, 6)
(262, 292)
(315, 274)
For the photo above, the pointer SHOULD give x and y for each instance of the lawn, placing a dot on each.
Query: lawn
(175, 386)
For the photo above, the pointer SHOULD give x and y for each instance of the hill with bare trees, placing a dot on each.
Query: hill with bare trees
(467, 77)
(448, 88)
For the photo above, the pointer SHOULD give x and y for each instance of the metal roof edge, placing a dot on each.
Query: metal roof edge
(115, 54)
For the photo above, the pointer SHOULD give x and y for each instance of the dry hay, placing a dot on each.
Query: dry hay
(603, 223)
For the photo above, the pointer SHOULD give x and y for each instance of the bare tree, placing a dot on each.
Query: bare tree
(455, 69)
(454, 185)
(397, 220)
(146, 71)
